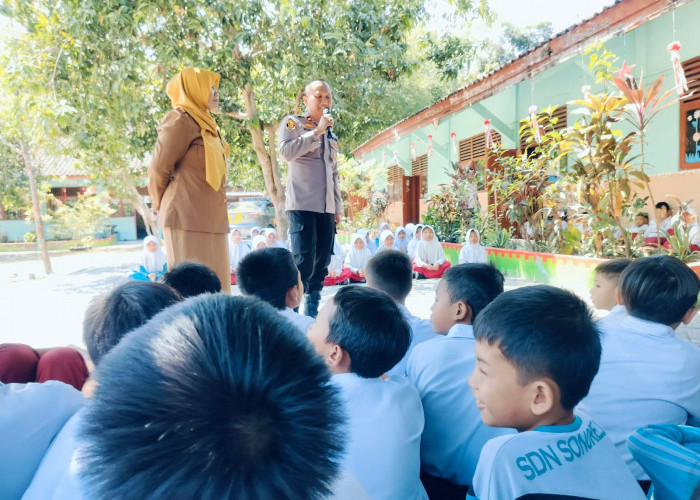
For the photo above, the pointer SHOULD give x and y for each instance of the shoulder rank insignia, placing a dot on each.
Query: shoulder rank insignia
(291, 124)
(334, 143)
(309, 125)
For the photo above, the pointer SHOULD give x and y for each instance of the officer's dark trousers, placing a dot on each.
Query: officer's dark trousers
(312, 235)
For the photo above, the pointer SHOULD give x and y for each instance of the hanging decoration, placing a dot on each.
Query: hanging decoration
(430, 145)
(488, 138)
(455, 147)
(396, 135)
(396, 157)
(383, 159)
(678, 74)
(586, 91)
(413, 150)
(535, 125)
(436, 122)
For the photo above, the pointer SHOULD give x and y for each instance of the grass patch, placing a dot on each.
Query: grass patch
(54, 245)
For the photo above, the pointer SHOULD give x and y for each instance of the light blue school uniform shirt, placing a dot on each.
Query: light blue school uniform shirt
(421, 330)
(454, 433)
(576, 460)
(301, 321)
(384, 424)
(646, 376)
(616, 314)
(30, 417)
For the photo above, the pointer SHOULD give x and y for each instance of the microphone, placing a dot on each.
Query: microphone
(329, 130)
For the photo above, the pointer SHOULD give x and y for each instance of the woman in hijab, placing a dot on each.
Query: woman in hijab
(401, 239)
(370, 243)
(187, 175)
(413, 244)
(386, 241)
(337, 273)
(357, 258)
(429, 261)
(153, 261)
(473, 252)
(236, 251)
(271, 237)
(258, 242)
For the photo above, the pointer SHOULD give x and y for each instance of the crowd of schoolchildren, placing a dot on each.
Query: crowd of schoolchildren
(514, 394)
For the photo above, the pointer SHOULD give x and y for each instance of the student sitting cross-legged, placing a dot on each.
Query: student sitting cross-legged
(429, 259)
(537, 351)
(392, 272)
(271, 275)
(647, 376)
(439, 368)
(360, 334)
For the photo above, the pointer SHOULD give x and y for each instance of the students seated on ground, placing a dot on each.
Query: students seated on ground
(271, 238)
(20, 363)
(647, 376)
(605, 292)
(415, 241)
(384, 226)
(473, 252)
(255, 231)
(271, 275)
(392, 272)
(453, 434)
(664, 216)
(211, 399)
(429, 259)
(640, 226)
(401, 239)
(357, 258)
(237, 249)
(192, 278)
(370, 242)
(690, 220)
(258, 242)
(410, 231)
(337, 273)
(360, 335)
(386, 241)
(30, 417)
(537, 351)
(153, 261)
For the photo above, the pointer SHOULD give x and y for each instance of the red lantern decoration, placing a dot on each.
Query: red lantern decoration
(488, 138)
(678, 74)
(430, 145)
(413, 150)
(535, 124)
(454, 142)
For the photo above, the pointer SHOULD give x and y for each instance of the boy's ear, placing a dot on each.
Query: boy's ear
(463, 312)
(618, 295)
(544, 395)
(689, 315)
(292, 299)
(338, 359)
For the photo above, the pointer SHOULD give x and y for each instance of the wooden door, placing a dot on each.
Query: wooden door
(411, 199)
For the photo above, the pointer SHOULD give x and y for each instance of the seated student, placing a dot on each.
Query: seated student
(258, 243)
(414, 241)
(237, 249)
(647, 376)
(192, 278)
(271, 238)
(337, 273)
(537, 351)
(410, 231)
(655, 232)
(271, 275)
(370, 242)
(401, 239)
(153, 261)
(210, 399)
(641, 224)
(453, 434)
(690, 221)
(357, 258)
(360, 335)
(473, 252)
(386, 241)
(392, 272)
(606, 288)
(255, 231)
(429, 259)
(20, 363)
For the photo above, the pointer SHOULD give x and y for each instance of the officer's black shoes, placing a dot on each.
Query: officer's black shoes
(311, 304)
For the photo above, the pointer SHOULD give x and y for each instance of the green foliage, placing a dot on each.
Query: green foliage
(87, 216)
(358, 189)
(601, 61)
(30, 236)
(451, 210)
(679, 244)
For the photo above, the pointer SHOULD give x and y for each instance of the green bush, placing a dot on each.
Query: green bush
(30, 236)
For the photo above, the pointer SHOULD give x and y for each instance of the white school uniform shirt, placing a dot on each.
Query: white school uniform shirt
(337, 258)
(357, 259)
(429, 252)
(454, 433)
(576, 461)
(653, 232)
(236, 254)
(421, 330)
(153, 262)
(301, 321)
(413, 244)
(616, 314)
(473, 253)
(646, 376)
(385, 421)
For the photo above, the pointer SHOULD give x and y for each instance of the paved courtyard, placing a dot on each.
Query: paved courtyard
(47, 311)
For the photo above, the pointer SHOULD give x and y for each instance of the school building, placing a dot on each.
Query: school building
(421, 151)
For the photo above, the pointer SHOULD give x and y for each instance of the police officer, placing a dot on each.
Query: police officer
(313, 204)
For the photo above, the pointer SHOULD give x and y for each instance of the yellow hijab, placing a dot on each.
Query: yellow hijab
(190, 90)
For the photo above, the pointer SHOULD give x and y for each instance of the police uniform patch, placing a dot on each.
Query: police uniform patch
(291, 124)
(310, 125)
(334, 143)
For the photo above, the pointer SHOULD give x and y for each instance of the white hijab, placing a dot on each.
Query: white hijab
(369, 242)
(694, 233)
(257, 240)
(413, 244)
(271, 230)
(473, 253)
(430, 251)
(237, 251)
(358, 258)
(383, 227)
(401, 245)
(410, 229)
(382, 239)
(337, 258)
(153, 262)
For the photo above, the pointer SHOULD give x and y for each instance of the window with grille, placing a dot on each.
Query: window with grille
(473, 154)
(394, 178)
(419, 166)
(559, 114)
(690, 117)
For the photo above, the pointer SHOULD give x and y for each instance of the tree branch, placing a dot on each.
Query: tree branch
(10, 145)
(237, 115)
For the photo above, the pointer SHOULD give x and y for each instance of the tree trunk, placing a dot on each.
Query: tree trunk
(38, 223)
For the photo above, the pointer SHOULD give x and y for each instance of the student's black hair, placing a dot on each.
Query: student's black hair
(391, 271)
(213, 399)
(268, 274)
(475, 284)
(112, 315)
(370, 327)
(544, 331)
(613, 268)
(659, 289)
(663, 204)
(192, 278)
(643, 214)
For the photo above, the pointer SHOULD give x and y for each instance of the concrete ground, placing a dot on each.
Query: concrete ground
(47, 311)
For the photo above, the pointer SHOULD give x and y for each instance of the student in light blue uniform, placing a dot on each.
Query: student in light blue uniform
(30, 417)
(532, 367)
(453, 434)
(360, 335)
(605, 292)
(271, 275)
(392, 272)
(648, 376)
